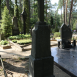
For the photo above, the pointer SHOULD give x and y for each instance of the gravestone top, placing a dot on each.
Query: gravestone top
(15, 22)
(66, 33)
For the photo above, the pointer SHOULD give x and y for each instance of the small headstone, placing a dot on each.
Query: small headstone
(15, 30)
(24, 16)
(15, 22)
(66, 35)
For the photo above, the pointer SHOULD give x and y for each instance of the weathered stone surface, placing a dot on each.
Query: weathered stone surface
(40, 41)
(15, 30)
(66, 35)
(41, 67)
(15, 22)
(24, 16)
(41, 61)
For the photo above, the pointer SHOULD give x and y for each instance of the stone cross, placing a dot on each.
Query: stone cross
(41, 61)
(41, 10)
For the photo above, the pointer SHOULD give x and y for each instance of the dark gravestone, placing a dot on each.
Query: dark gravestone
(15, 30)
(24, 16)
(41, 61)
(66, 35)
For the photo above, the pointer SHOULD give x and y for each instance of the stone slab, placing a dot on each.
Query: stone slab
(41, 67)
(67, 58)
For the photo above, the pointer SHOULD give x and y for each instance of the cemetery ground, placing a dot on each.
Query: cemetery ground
(16, 65)
(16, 61)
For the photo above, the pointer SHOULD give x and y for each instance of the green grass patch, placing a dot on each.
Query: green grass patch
(20, 36)
(58, 38)
(24, 41)
(56, 34)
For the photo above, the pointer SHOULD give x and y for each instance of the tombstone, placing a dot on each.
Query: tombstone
(66, 35)
(24, 16)
(15, 30)
(41, 61)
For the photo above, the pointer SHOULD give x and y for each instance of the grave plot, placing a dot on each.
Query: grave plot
(4, 44)
(67, 58)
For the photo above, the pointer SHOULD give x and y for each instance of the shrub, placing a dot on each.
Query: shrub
(12, 37)
(20, 36)
(14, 41)
(6, 23)
(56, 34)
(4, 42)
(24, 41)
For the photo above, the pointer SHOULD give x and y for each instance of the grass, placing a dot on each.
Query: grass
(58, 38)
(23, 41)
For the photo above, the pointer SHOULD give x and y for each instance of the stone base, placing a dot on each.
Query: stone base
(15, 32)
(42, 67)
(46, 76)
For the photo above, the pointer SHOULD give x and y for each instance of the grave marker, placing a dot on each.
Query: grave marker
(15, 30)
(66, 35)
(41, 61)
(24, 16)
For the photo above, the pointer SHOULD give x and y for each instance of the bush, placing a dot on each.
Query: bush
(6, 23)
(14, 41)
(12, 37)
(24, 41)
(20, 36)
(4, 42)
(56, 34)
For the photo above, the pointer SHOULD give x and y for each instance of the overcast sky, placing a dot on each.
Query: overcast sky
(54, 1)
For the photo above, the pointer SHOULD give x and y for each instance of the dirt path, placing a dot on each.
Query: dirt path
(15, 67)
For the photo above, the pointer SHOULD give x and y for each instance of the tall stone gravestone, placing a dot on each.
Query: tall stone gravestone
(66, 35)
(24, 16)
(41, 61)
(15, 30)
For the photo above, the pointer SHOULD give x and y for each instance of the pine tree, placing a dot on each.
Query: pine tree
(6, 23)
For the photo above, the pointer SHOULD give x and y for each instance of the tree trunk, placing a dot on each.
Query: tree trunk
(0, 12)
(70, 12)
(0, 9)
(7, 4)
(61, 14)
(46, 9)
(20, 4)
(66, 11)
